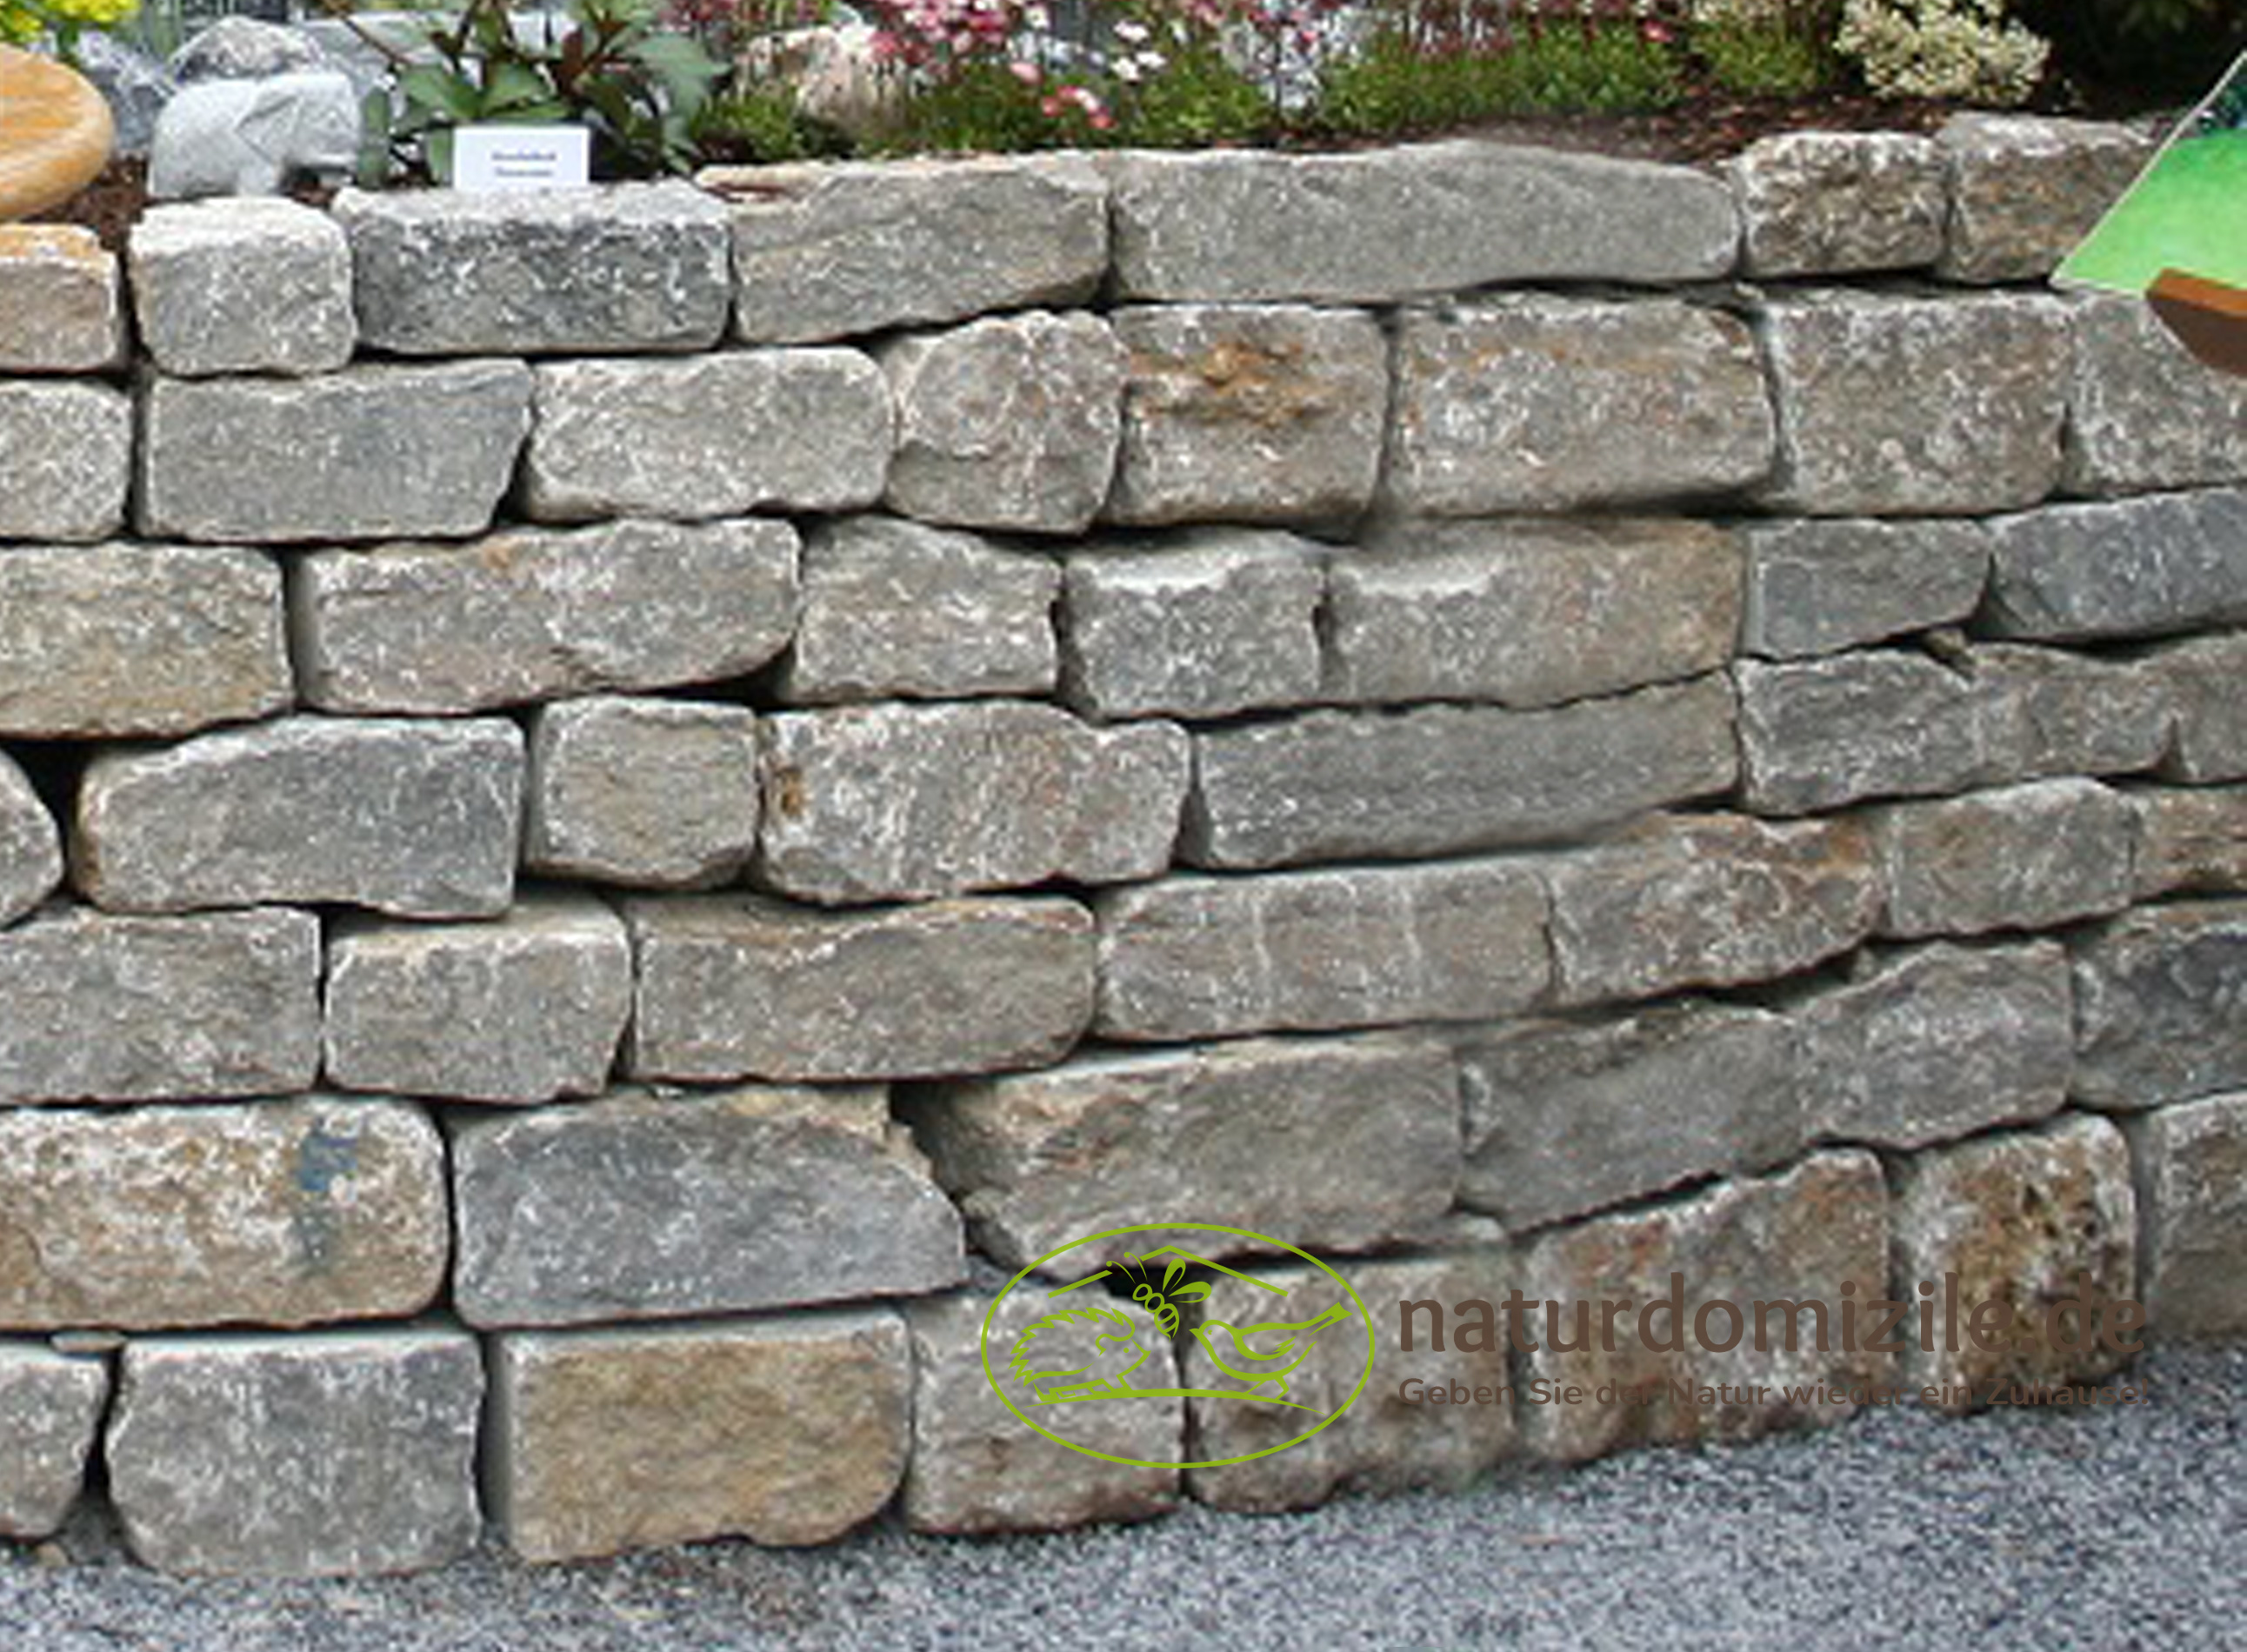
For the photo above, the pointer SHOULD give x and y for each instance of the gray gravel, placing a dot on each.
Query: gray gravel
(2110, 1527)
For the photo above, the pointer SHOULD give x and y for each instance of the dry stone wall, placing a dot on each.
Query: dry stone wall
(612, 804)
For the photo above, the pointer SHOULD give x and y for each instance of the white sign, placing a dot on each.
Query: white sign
(502, 158)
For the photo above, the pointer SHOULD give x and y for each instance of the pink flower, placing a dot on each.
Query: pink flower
(1025, 73)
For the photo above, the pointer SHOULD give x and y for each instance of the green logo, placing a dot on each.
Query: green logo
(1084, 1352)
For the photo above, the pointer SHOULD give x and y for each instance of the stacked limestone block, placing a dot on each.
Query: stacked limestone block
(613, 805)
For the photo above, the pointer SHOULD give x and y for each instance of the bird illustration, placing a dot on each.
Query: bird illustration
(1262, 1355)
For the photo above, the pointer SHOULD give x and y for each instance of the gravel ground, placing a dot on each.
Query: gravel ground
(2111, 1527)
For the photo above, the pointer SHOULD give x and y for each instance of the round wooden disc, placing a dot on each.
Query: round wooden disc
(54, 133)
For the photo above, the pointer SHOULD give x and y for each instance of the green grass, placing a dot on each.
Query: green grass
(2188, 213)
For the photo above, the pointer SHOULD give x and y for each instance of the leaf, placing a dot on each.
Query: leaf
(513, 87)
(679, 63)
(441, 92)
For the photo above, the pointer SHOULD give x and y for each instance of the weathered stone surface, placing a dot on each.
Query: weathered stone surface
(1707, 901)
(656, 792)
(2025, 190)
(2133, 567)
(419, 819)
(601, 271)
(131, 1009)
(1779, 1248)
(138, 639)
(31, 847)
(373, 452)
(975, 1468)
(220, 1214)
(2046, 711)
(1359, 947)
(1006, 422)
(738, 987)
(2143, 413)
(641, 1207)
(1540, 402)
(345, 1452)
(1529, 613)
(1428, 218)
(531, 614)
(713, 436)
(2157, 991)
(61, 308)
(824, 251)
(785, 1430)
(245, 48)
(1382, 1444)
(1262, 413)
(1937, 1041)
(2018, 1219)
(1565, 1118)
(1216, 621)
(2190, 839)
(1818, 586)
(982, 795)
(1819, 733)
(2202, 678)
(524, 1008)
(1893, 405)
(1332, 785)
(53, 1404)
(2189, 1163)
(243, 284)
(229, 137)
(1326, 1143)
(69, 458)
(1821, 203)
(893, 608)
(2026, 857)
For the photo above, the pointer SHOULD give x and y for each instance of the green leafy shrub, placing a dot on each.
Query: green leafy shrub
(1766, 48)
(23, 21)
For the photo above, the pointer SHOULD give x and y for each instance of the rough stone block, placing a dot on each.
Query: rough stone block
(278, 1213)
(1779, 1248)
(1216, 621)
(2202, 678)
(31, 847)
(2157, 991)
(825, 251)
(976, 1469)
(133, 1009)
(373, 452)
(737, 987)
(1269, 413)
(796, 430)
(1006, 422)
(1817, 734)
(1329, 1145)
(641, 1207)
(2143, 412)
(524, 1008)
(1335, 785)
(2028, 856)
(53, 1404)
(244, 284)
(2190, 840)
(1359, 947)
(1824, 203)
(2133, 567)
(340, 1453)
(1238, 225)
(1540, 402)
(2025, 190)
(532, 614)
(61, 308)
(1499, 611)
(895, 609)
(600, 271)
(982, 796)
(787, 1430)
(2020, 1218)
(1707, 901)
(1561, 1118)
(1817, 586)
(1892, 406)
(2190, 1178)
(2048, 712)
(121, 639)
(418, 819)
(655, 793)
(69, 458)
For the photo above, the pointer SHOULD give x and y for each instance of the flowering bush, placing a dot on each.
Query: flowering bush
(1966, 49)
(22, 21)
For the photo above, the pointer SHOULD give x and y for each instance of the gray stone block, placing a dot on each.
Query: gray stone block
(641, 1206)
(1497, 611)
(2143, 412)
(342, 1453)
(983, 796)
(243, 284)
(652, 793)
(2191, 840)
(61, 306)
(2025, 190)
(2192, 1215)
(2201, 679)
(31, 847)
(373, 452)
(1263, 414)
(600, 271)
(1541, 402)
(531, 614)
(2134, 568)
(1825, 203)
(737, 987)
(2155, 997)
(416, 818)
(1818, 586)
(2050, 712)
(718, 435)
(69, 458)
(134, 1010)
(1821, 733)
(2028, 856)
(1444, 779)
(53, 1404)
